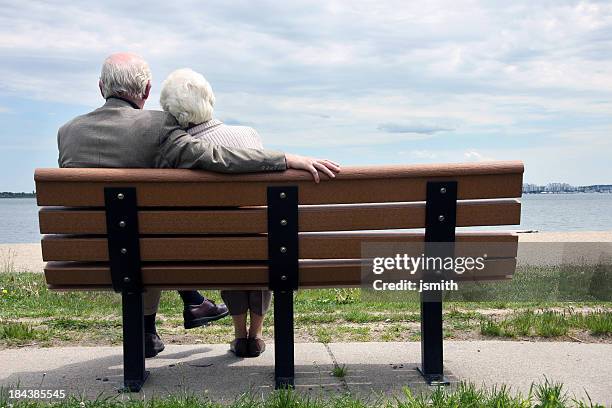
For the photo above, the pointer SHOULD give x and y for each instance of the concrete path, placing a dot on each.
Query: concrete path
(383, 367)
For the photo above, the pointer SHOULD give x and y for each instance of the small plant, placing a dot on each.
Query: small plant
(17, 331)
(338, 371)
(490, 327)
(323, 335)
(346, 296)
(7, 263)
(523, 322)
(598, 323)
(358, 316)
(549, 395)
(551, 324)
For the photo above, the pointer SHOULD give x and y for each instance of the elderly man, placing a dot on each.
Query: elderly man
(122, 134)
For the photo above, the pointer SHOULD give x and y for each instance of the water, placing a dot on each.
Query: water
(567, 212)
(543, 212)
(18, 220)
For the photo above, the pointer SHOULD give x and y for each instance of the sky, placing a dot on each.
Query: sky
(359, 82)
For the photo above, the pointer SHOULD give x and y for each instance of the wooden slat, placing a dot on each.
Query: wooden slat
(190, 188)
(55, 220)
(323, 273)
(254, 248)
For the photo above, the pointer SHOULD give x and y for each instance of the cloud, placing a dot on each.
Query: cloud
(473, 155)
(365, 75)
(422, 154)
(235, 122)
(411, 128)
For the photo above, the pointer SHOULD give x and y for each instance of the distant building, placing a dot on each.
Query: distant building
(558, 188)
(9, 194)
(532, 188)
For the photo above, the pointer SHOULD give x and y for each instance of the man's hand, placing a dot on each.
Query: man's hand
(314, 166)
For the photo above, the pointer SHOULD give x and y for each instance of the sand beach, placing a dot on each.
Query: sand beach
(561, 246)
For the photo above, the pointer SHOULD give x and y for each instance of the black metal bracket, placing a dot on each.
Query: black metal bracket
(125, 268)
(283, 256)
(123, 239)
(440, 224)
(283, 250)
(441, 211)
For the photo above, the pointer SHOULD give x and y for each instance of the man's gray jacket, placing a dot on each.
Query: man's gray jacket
(119, 135)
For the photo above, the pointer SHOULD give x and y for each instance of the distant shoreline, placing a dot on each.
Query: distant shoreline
(5, 194)
(565, 192)
(33, 195)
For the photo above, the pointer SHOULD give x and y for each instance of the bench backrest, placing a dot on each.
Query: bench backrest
(201, 229)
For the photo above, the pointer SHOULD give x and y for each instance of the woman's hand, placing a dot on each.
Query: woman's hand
(314, 166)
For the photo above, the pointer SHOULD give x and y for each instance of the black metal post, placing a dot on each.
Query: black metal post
(283, 254)
(284, 364)
(134, 373)
(440, 223)
(124, 260)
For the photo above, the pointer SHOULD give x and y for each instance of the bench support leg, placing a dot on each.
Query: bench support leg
(432, 360)
(284, 366)
(283, 276)
(134, 374)
(440, 223)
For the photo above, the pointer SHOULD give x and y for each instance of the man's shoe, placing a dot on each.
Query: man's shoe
(153, 345)
(256, 346)
(201, 315)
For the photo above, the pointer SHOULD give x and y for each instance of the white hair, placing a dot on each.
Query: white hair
(188, 96)
(125, 75)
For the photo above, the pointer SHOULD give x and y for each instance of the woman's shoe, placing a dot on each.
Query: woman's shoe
(239, 347)
(256, 346)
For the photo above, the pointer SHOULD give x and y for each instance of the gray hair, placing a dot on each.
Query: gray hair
(188, 96)
(125, 75)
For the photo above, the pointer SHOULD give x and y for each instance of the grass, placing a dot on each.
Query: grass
(542, 395)
(547, 323)
(29, 312)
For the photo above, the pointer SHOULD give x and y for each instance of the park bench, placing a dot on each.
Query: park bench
(131, 229)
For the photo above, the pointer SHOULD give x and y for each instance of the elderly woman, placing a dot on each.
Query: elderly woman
(189, 98)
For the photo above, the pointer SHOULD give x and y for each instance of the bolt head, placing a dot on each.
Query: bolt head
(124, 251)
(284, 277)
(283, 249)
(441, 218)
(283, 195)
(443, 190)
(120, 196)
(126, 279)
(122, 224)
(283, 223)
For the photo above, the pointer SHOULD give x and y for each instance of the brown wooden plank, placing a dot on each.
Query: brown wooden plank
(313, 273)
(344, 245)
(189, 188)
(54, 220)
